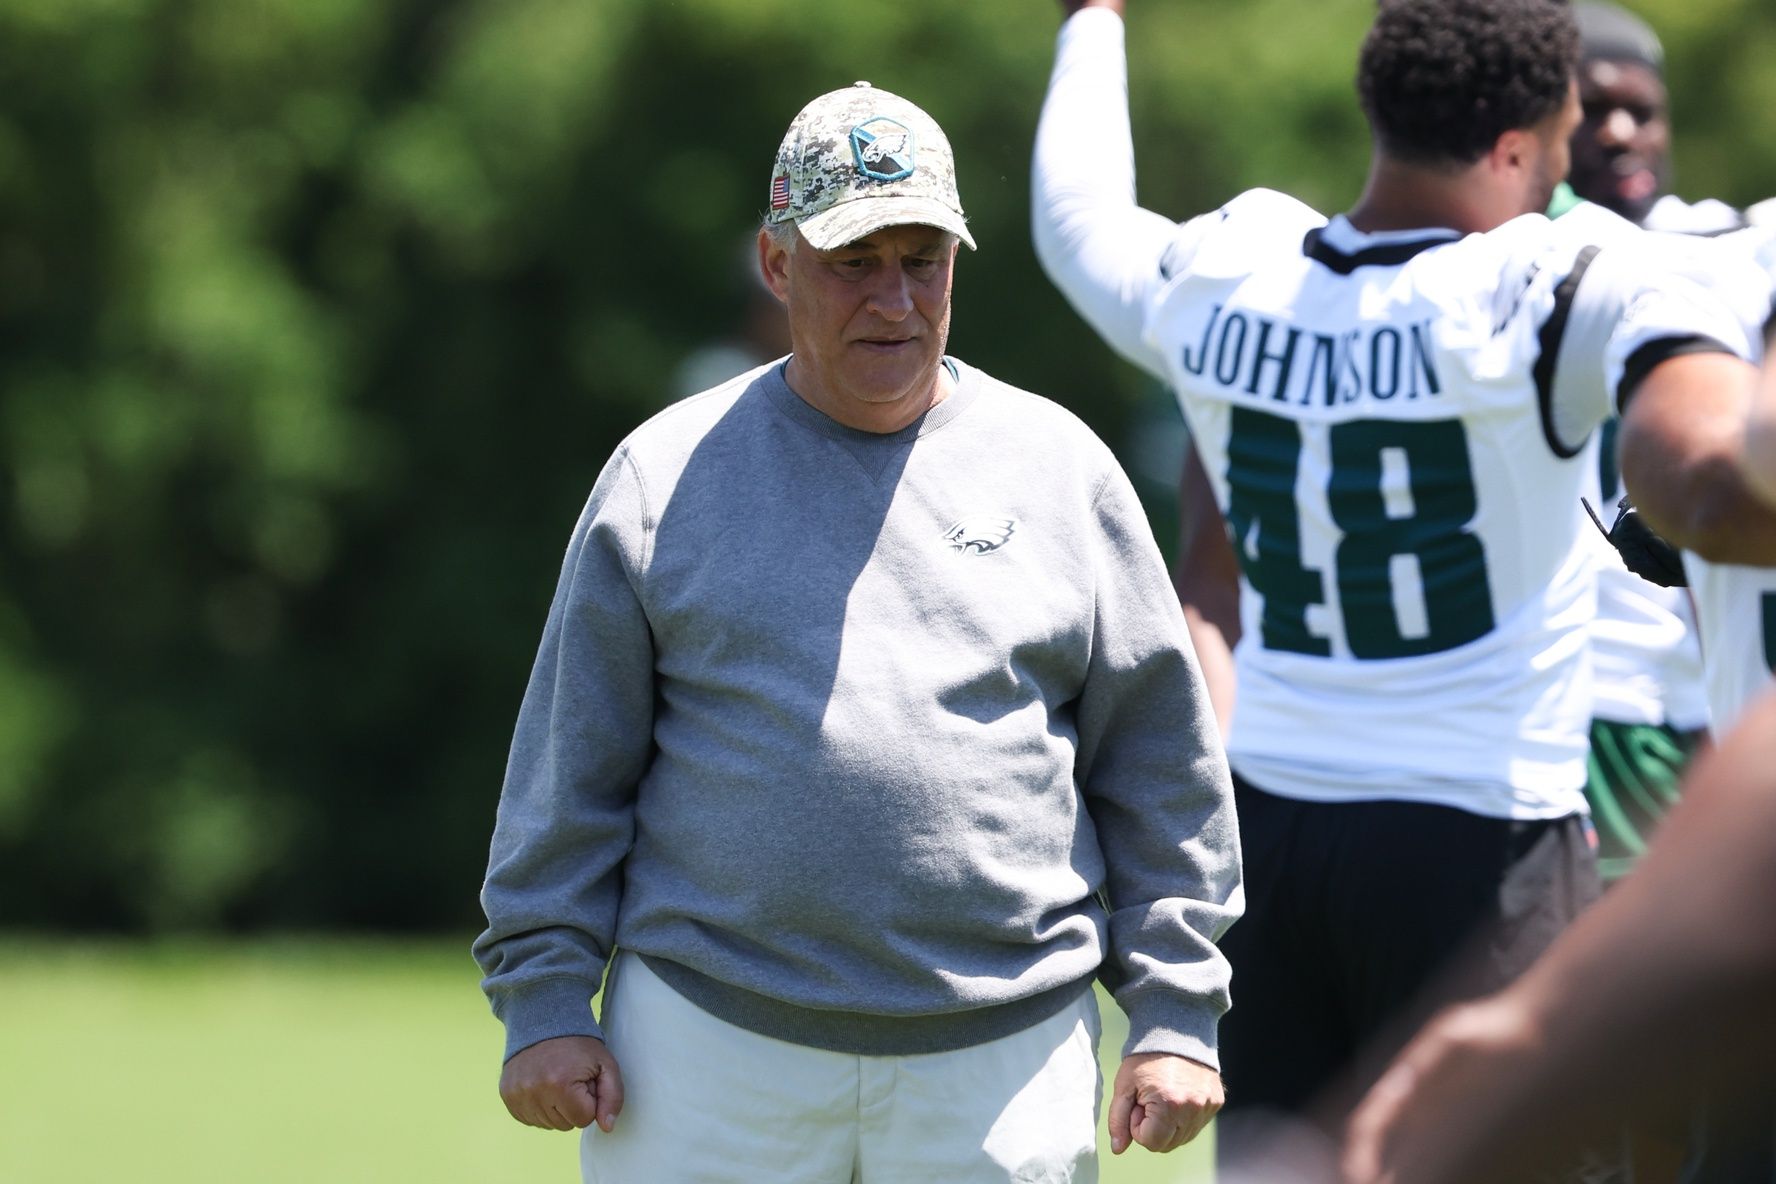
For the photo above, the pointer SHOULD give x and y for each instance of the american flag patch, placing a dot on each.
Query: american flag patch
(780, 192)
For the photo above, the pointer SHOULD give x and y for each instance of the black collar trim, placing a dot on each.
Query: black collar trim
(1315, 247)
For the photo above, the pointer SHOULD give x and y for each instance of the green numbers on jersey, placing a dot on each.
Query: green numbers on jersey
(1263, 453)
(1382, 545)
(1767, 605)
(1450, 561)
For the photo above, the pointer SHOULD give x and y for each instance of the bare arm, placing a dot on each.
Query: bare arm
(1683, 454)
(1661, 988)
(1206, 576)
(1760, 433)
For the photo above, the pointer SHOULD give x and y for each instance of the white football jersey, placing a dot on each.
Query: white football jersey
(1736, 606)
(1394, 425)
(1736, 611)
(1647, 661)
(1673, 215)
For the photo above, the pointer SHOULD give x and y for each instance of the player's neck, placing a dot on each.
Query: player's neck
(1403, 196)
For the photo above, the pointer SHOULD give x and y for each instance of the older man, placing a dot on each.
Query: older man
(865, 732)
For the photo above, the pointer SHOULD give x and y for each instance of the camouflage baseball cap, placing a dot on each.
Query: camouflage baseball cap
(858, 159)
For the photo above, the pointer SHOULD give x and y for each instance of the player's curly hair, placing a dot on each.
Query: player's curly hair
(1441, 80)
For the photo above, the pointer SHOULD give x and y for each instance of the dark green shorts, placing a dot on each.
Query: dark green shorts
(1635, 773)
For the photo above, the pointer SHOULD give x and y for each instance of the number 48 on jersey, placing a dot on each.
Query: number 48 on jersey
(1411, 577)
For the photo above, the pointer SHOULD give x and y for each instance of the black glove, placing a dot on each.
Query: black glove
(1643, 552)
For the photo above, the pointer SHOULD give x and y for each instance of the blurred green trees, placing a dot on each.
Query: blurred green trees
(318, 317)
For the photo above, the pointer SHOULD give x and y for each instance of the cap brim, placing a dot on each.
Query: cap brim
(851, 220)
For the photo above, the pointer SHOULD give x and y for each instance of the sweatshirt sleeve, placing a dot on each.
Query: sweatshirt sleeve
(1099, 248)
(1156, 783)
(566, 816)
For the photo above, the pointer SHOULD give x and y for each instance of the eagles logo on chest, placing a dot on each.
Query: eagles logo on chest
(980, 535)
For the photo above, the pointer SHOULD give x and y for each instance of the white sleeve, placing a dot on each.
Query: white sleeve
(1616, 316)
(1102, 250)
(1675, 315)
(1759, 245)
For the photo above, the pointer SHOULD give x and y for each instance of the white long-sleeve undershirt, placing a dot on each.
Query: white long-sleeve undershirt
(1102, 250)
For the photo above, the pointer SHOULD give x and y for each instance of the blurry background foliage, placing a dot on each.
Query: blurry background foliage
(319, 317)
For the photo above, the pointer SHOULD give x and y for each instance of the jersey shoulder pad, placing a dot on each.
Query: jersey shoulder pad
(1258, 224)
(1278, 209)
(1592, 224)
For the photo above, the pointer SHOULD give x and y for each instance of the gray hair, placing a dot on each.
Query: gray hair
(783, 235)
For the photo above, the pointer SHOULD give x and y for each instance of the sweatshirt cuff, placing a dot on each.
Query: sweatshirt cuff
(546, 1009)
(1170, 1022)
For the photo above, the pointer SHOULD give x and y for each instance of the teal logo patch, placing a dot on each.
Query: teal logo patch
(884, 149)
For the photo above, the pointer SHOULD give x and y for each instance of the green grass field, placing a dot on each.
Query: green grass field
(319, 1062)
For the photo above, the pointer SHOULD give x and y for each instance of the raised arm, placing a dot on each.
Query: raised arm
(1069, 7)
(1686, 453)
(1662, 338)
(1101, 249)
(1760, 433)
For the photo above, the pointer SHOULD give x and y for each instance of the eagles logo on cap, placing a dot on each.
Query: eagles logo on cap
(884, 149)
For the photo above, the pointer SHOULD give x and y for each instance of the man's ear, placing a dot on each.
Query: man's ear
(774, 266)
(1511, 153)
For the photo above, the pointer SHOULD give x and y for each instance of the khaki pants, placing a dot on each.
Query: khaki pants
(707, 1101)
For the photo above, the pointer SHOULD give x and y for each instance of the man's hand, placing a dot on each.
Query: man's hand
(564, 1084)
(1643, 552)
(1419, 1120)
(1161, 1101)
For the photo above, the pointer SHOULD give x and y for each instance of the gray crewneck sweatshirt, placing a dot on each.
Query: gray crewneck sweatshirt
(876, 743)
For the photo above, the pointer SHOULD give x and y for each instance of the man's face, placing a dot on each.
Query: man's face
(868, 322)
(1621, 152)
